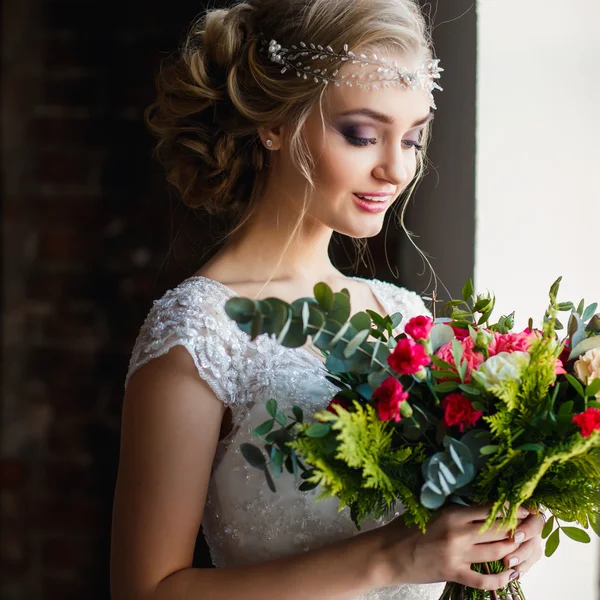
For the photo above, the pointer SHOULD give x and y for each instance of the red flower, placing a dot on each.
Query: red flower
(419, 327)
(459, 333)
(336, 400)
(589, 421)
(458, 410)
(389, 395)
(408, 357)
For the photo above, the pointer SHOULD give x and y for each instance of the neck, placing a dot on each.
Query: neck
(265, 248)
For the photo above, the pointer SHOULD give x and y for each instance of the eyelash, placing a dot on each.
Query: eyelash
(361, 142)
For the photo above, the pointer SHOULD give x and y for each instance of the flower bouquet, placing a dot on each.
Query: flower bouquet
(454, 409)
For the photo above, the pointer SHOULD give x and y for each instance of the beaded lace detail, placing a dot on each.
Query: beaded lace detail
(244, 522)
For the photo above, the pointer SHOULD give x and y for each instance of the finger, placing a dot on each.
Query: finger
(529, 552)
(482, 553)
(496, 533)
(480, 581)
(531, 527)
(473, 514)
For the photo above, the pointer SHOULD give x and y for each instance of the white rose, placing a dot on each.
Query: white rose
(587, 368)
(501, 367)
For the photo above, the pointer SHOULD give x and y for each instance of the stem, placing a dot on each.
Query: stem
(492, 592)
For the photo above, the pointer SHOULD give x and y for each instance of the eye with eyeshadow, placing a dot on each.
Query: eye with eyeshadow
(353, 137)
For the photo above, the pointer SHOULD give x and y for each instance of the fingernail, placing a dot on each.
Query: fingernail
(513, 575)
(513, 561)
(519, 537)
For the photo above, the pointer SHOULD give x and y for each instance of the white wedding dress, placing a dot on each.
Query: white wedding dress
(244, 521)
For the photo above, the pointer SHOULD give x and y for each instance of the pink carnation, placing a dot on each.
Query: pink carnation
(419, 327)
(511, 342)
(474, 359)
(408, 357)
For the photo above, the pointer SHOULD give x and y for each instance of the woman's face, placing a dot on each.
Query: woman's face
(367, 146)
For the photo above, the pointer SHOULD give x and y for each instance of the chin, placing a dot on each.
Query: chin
(362, 230)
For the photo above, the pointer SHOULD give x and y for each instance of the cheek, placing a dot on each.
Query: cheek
(341, 166)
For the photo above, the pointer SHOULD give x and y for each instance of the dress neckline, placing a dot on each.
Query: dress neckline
(232, 293)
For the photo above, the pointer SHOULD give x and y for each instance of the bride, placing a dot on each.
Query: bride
(290, 144)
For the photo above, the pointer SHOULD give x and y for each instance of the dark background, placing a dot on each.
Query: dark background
(91, 235)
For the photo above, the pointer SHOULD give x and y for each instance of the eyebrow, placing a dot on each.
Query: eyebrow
(373, 114)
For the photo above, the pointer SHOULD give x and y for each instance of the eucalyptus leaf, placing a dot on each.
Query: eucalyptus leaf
(340, 332)
(324, 296)
(281, 418)
(284, 329)
(295, 336)
(355, 342)
(241, 310)
(584, 346)
(565, 306)
(470, 389)
(447, 474)
(361, 321)
(396, 319)
(440, 335)
(589, 311)
(340, 310)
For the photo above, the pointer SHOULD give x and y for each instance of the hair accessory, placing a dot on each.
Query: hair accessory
(269, 143)
(303, 59)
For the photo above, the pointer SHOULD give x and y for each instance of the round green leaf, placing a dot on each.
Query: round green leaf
(240, 310)
(361, 321)
(579, 535)
(307, 486)
(324, 296)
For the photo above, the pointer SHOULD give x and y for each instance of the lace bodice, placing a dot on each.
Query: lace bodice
(244, 522)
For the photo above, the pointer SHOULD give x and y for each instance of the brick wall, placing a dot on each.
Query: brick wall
(87, 227)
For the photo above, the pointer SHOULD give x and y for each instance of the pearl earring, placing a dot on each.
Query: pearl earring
(269, 143)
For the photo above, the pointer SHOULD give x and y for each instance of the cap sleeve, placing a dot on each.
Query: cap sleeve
(193, 316)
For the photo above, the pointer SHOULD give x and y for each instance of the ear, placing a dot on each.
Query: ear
(273, 134)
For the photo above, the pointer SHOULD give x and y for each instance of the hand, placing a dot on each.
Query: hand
(529, 535)
(450, 545)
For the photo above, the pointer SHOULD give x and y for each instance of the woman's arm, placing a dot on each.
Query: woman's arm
(170, 428)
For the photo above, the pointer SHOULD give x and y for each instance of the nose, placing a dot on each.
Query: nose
(396, 165)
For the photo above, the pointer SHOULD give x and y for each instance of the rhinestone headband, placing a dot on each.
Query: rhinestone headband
(303, 61)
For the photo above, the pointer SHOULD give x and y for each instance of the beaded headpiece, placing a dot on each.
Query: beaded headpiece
(310, 61)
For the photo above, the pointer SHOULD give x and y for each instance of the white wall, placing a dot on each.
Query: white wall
(538, 195)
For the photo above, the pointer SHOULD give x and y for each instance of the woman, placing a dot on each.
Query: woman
(290, 144)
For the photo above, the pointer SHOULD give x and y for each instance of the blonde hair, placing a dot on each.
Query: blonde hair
(220, 88)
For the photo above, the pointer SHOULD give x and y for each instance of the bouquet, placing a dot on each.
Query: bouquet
(455, 409)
